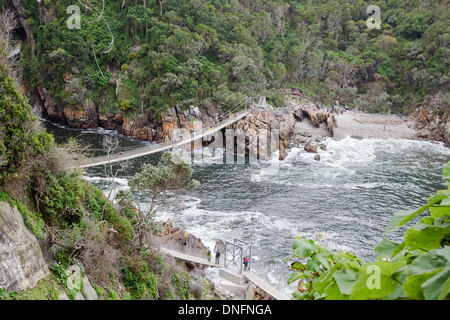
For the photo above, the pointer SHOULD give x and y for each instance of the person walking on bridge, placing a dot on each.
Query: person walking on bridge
(217, 256)
(208, 255)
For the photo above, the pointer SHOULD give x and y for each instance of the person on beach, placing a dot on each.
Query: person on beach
(245, 263)
(208, 255)
(217, 257)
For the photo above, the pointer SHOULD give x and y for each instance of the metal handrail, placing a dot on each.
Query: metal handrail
(239, 248)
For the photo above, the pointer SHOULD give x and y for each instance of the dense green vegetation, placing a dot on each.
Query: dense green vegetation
(418, 268)
(180, 53)
(82, 226)
(22, 144)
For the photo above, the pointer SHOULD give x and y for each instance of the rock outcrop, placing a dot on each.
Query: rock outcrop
(298, 109)
(180, 240)
(22, 259)
(79, 283)
(432, 125)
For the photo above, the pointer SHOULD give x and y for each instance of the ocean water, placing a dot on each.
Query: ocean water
(349, 196)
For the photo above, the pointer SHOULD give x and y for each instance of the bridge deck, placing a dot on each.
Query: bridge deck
(188, 257)
(143, 151)
(264, 286)
(257, 281)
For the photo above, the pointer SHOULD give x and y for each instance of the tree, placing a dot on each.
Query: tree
(172, 174)
(8, 22)
(111, 171)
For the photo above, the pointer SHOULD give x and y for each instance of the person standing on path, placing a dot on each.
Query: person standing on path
(245, 263)
(217, 257)
(208, 255)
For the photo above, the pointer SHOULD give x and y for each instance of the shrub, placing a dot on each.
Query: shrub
(140, 281)
(33, 220)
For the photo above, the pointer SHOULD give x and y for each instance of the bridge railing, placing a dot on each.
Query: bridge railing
(235, 252)
(242, 108)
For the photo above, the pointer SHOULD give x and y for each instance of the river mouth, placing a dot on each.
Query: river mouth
(349, 196)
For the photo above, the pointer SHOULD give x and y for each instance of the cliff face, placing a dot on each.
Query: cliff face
(432, 126)
(298, 108)
(22, 260)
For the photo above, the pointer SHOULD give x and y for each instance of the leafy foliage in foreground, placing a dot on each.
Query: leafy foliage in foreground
(417, 268)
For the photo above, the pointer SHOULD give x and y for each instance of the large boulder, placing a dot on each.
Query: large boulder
(22, 260)
(310, 148)
(80, 284)
(263, 121)
(432, 126)
(180, 240)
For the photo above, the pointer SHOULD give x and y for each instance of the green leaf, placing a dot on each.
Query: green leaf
(396, 219)
(442, 222)
(404, 216)
(413, 285)
(294, 277)
(399, 249)
(431, 201)
(323, 261)
(428, 262)
(297, 265)
(303, 248)
(312, 265)
(323, 282)
(439, 211)
(345, 280)
(446, 172)
(437, 287)
(376, 280)
(397, 294)
(334, 293)
(425, 239)
(386, 248)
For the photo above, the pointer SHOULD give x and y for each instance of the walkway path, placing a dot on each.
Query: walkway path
(253, 278)
(147, 150)
(187, 257)
(257, 281)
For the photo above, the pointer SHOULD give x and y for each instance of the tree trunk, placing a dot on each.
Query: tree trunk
(23, 21)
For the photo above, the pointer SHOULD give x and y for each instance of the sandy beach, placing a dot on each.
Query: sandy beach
(373, 126)
(362, 125)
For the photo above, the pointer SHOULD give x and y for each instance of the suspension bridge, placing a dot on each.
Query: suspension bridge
(241, 110)
(235, 277)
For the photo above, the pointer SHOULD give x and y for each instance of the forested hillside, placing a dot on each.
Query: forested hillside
(143, 57)
(77, 223)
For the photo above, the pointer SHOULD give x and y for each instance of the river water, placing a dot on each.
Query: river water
(349, 196)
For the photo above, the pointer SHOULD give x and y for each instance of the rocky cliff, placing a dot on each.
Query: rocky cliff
(86, 114)
(298, 108)
(23, 261)
(431, 125)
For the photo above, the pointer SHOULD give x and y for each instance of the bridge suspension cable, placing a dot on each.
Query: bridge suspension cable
(226, 120)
